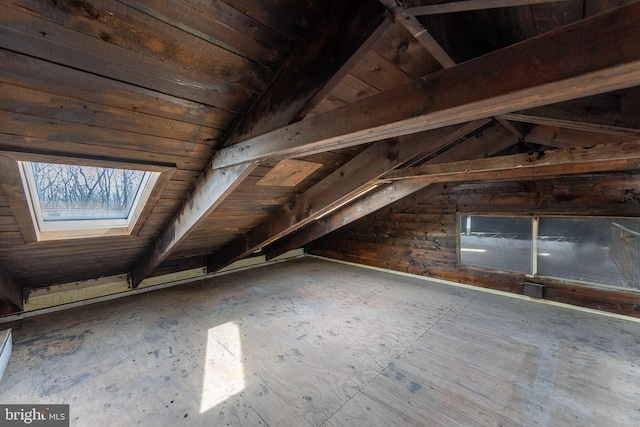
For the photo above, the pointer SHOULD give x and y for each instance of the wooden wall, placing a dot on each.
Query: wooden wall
(422, 239)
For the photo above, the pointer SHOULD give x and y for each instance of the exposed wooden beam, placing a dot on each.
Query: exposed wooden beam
(598, 55)
(344, 33)
(398, 196)
(554, 136)
(207, 196)
(351, 180)
(468, 5)
(516, 129)
(379, 199)
(614, 113)
(417, 30)
(9, 288)
(570, 161)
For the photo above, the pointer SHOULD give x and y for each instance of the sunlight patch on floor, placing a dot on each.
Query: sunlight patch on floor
(223, 371)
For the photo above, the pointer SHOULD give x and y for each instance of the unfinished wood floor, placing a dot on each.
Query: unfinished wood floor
(312, 342)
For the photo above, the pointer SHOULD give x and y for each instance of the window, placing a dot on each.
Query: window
(71, 201)
(503, 243)
(586, 249)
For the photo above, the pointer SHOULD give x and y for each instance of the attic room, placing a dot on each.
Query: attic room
(320, 212)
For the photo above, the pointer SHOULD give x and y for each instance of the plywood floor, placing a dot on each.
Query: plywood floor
(311, 342)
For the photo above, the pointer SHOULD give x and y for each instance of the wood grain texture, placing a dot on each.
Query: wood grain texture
(204, 201)
(462, 93)
(323, 57)
(310, 342)
(288, 173)
(421, 239)
(10, 291)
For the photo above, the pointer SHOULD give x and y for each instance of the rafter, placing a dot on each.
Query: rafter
(351, 180)
(344, 33)
(336, 42)
(594, 59)
(614, 113)
(207, 196)
(468, 5)
(554, 136)
(398, 195)
(417, 30)
(570, 161)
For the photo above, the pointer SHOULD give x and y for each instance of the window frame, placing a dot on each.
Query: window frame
(21, 202)
(54, 230)
(535, 224)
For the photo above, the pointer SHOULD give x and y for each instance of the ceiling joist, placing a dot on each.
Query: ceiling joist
(527, 75)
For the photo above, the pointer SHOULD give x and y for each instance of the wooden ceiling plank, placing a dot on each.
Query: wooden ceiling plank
(288, 173)
(599, 158)
(593, 59)
(32, 145)
(9, 289)
(73, 111)
(468, 5)
(22, 70)
(31, 35)
(345, 183)
(208, 194)
(219, 24)
(335, 43)
(117, 24)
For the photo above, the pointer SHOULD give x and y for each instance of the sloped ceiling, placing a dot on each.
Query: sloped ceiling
(223, 93)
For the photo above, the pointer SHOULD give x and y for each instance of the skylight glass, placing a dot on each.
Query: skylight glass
(76, 193)
(72, 201)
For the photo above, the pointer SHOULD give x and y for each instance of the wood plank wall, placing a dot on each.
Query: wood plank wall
(422, 240)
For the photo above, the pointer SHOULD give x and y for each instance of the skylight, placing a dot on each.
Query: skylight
(70, 201)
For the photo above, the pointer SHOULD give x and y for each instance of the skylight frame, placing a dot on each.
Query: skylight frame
(84, 228)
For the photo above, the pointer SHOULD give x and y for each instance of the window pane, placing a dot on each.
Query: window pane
(597, 250)
(499, 242)
(70, 192)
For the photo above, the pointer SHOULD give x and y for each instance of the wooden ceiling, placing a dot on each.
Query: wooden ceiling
(221, 91)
